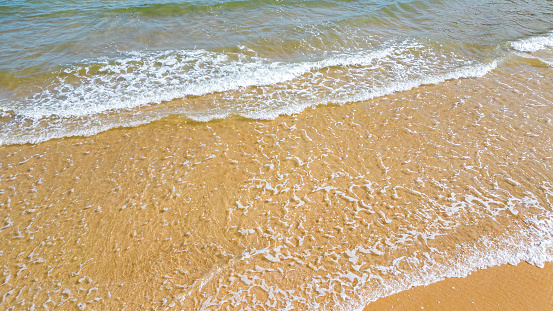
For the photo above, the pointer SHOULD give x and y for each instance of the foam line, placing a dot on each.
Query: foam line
(533, 44)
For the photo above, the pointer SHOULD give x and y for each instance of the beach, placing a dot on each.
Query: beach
(182, 214)
(269, 155)
(521, 287)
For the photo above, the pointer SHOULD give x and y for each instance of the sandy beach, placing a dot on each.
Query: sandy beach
(507, 287)
(330, 208)
(276, 155)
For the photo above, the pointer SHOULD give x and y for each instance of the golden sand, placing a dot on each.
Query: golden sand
(330, 208)
(515, 288)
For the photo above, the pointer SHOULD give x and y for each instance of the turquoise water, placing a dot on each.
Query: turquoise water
(81, 67)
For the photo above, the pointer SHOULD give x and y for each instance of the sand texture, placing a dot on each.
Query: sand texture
(327, 209)
(507, 287)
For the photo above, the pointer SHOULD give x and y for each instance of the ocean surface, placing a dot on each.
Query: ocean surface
(269, 154)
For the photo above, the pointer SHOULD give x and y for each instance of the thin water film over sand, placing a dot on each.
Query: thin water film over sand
(328, 209)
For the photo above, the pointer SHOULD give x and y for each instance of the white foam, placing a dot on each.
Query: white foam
(124, 92)
(363, 92)
(471, 71)
(356, 277)
(34, 132)
(534, 44)
(144, 78)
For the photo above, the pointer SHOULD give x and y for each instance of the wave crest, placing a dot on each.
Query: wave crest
(534, 44)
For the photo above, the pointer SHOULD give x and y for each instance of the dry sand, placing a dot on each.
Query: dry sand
(521, 287)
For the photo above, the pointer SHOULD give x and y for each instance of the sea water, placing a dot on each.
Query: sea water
(276, 155)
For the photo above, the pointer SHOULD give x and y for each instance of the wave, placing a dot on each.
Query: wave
(140, 87)
(296, 101)
(534, 44)
(139, 80)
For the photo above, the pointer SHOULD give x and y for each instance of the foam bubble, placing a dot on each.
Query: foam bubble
(533, 44)
(140, 79)
(83, 100)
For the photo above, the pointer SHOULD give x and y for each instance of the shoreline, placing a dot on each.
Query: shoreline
(504, 287)
(335, 204)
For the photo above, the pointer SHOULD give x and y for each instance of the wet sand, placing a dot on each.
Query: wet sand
(329, 208)
(507, 287)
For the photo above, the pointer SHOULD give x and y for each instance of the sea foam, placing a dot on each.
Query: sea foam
(533, 44)
(86, 99)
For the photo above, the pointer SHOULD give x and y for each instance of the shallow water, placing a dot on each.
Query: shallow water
(269, 154)
(83, 67)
